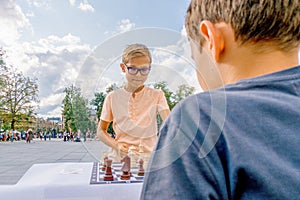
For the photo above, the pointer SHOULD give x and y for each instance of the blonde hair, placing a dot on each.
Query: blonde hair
(135, 50)
(274, 22)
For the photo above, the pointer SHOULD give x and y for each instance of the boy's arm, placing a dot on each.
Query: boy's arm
(164, 114)
(104, 136)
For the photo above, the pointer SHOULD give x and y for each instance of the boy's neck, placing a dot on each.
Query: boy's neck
(258, 65)
(132, 89)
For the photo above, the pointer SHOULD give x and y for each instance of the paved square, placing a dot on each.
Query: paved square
(18, 156)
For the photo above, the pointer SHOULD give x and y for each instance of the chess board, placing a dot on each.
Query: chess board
(98, 174)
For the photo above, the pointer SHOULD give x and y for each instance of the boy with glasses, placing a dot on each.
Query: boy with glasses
(133, 108)
(240, 139)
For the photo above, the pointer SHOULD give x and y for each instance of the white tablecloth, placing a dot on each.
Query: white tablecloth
(66, 181)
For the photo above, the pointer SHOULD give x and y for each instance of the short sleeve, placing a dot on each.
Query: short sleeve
(106, 113)
(162, 102)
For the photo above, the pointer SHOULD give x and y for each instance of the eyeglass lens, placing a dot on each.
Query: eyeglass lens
(134, 71)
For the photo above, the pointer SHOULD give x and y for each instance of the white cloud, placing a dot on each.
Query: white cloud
(85, 6)
(30, 14)
(183, 32)
(39, 3)
(55, 61)
(51, 100)
(72, 2)
(12, 19)
(125, 25)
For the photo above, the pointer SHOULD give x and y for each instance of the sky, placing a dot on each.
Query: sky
(80, 42)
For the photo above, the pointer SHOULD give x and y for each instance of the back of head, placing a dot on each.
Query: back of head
(268, 22)
(135, 50)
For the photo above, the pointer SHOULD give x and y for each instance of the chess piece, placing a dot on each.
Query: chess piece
(125, 168)
(141, 148)
(142, 154)
(108, 173)
(132, 156)
(141, 151)
(141, 171)
(104, 163)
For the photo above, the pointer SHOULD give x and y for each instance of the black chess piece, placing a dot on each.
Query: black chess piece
(141, 171)
(125, 168)
(108, 173)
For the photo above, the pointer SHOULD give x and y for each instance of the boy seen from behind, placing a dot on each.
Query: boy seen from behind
(240, 138)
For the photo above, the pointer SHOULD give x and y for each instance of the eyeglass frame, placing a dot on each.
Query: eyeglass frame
(138, 70)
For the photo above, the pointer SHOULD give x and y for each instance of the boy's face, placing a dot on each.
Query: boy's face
(207, 72)
(137, 70)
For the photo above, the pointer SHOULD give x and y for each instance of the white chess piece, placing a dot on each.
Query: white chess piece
(132, 155)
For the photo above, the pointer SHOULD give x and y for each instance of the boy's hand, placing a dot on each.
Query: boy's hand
(123, 149)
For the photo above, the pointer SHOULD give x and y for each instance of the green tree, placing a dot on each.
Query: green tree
(76, 112)
(111, 88)
(97, 102)
(168, 93)
(3, 68)
(81, 113)
(182, 92)
(18, 95)
(173, 98)
(67, 112)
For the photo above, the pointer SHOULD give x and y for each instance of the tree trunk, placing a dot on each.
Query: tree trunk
(13, 124)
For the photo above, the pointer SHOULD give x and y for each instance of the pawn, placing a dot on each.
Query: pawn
(125, 175)
(108, 173)
(104, 163)
(141, 171)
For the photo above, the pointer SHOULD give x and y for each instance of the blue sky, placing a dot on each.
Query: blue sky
(93, 20)
(64, 42)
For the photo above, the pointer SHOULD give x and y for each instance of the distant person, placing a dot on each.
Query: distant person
(240, 138)
(11, 135)
(29, 135)
(84, 136)
(133, 108)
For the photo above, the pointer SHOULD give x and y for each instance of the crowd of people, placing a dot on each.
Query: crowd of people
(29, 135)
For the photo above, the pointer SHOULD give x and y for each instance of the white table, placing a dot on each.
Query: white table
(67, 181)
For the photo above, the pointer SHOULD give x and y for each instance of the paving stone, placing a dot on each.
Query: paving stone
(17, 157)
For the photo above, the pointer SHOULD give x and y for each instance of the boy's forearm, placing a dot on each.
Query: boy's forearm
(106, 138)
(164, 114)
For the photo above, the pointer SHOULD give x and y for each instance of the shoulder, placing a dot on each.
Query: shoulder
(115, 92)
(153, 91)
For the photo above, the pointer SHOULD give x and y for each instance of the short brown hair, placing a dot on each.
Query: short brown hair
(275, 21)
(135, 50)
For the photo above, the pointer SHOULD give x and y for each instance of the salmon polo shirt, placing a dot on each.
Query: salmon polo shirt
(134, 116)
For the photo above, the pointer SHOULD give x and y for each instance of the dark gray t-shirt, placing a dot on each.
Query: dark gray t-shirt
(237, 142)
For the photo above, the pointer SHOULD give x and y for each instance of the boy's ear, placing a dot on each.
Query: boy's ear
(122, 67)
(214, 38)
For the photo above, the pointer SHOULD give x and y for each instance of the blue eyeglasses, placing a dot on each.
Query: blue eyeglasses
(133, 70)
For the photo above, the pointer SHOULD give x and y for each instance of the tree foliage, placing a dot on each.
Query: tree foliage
(182, 92)
(3, 68)
(76, 112)
(97, 102)
(18, 94)
(173, 98)
(168, 93)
